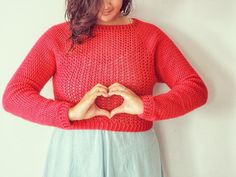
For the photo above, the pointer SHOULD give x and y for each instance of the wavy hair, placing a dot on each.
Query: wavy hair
(82, 17)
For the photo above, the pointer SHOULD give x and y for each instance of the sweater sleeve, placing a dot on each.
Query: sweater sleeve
(22, 93)
(187, 90)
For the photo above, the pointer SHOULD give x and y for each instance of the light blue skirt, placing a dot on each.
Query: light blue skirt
(103, 153)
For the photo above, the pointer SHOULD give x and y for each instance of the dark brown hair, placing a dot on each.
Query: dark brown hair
(82, 16)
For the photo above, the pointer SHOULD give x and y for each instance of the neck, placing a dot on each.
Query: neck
(117, 21)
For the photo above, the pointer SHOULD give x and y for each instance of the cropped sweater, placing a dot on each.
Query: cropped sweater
(137, 55)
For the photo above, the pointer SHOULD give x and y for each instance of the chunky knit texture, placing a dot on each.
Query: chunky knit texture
(137, 55)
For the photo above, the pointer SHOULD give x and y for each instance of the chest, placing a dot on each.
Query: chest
(128, 62)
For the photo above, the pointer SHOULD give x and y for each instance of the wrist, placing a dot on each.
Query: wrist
(141, 107)
(71, 114)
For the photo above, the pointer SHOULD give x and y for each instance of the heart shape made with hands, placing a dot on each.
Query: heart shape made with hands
(112, 103)
(119, 99)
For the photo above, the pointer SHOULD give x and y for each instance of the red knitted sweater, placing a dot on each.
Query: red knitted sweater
(137, 55)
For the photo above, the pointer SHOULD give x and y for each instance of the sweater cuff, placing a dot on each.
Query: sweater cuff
(63, 118)
(148, 108)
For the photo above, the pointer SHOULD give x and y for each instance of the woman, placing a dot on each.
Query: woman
(104, 66)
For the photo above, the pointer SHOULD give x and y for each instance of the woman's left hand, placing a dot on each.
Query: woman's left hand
(132, 103)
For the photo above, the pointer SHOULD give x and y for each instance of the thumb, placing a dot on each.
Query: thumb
(116, 111)
(103, 112)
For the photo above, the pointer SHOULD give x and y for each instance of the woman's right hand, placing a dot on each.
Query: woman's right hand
(87, 108)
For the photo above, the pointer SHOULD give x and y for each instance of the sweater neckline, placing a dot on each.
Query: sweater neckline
(118, 27)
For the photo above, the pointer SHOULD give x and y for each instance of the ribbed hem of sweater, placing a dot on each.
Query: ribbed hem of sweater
(104, 123)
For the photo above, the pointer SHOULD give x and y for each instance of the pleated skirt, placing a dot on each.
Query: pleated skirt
(103, 153)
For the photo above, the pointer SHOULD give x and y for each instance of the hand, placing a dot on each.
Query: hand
(132, 103)
(87, 108)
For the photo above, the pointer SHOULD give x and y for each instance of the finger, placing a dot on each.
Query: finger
(119, 87)
(117, 92)
(114, 84)
(101, 93)
(101, 86)
(98, 91)
(92, 97)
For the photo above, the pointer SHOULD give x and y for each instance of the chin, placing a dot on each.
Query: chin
(108, 18)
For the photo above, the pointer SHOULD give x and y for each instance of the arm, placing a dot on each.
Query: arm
(187, 90)
(22, 93)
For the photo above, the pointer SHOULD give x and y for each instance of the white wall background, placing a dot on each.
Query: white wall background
(200, 144)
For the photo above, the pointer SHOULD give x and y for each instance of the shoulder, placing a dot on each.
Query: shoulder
(149, 25)
(57, 30)
(151, 30)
